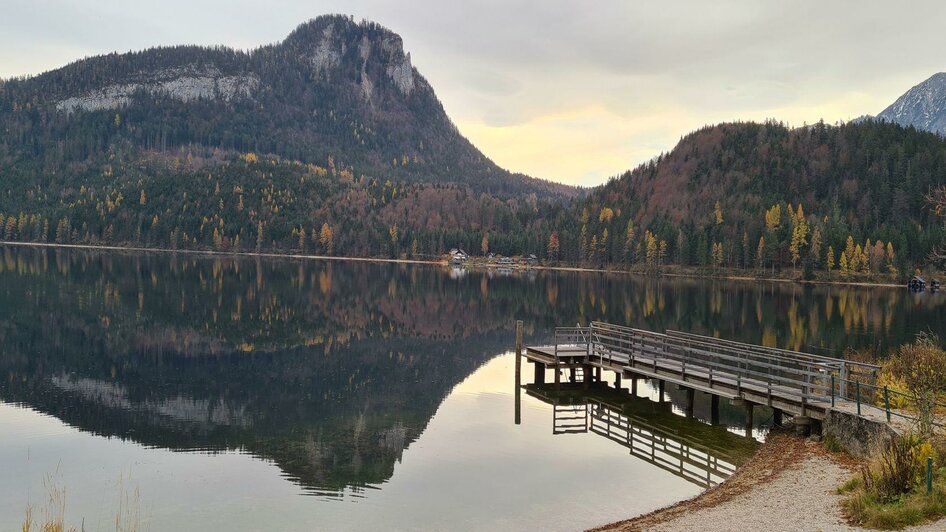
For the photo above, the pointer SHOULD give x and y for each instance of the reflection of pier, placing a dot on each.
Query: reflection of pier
(702, 454)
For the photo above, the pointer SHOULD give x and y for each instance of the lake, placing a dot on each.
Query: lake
(199, 393)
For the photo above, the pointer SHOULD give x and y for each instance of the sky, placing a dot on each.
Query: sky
(575, 92)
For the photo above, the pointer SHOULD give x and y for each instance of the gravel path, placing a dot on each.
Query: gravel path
(789, 485)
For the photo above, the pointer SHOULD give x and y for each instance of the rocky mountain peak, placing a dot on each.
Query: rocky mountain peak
(923, 106)
(335, 44)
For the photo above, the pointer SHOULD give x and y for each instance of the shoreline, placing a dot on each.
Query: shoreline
(443, 262)
(766, 494)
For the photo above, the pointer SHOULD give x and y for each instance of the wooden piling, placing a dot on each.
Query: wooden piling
(518, 351)
(691, 396)
(634, 386)
(777, 417)
(749, 408)
(660, 391)
(518, 412)
(714, 410)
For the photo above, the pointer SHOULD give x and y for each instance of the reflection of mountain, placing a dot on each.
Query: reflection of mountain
(325, 370)
(332, 369)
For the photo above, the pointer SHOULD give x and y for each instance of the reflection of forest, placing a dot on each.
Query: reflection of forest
(330, 368)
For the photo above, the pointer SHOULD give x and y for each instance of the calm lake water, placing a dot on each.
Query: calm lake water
(242, 394)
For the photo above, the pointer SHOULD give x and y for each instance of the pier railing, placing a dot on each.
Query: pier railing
(715, 364)
(793, 375)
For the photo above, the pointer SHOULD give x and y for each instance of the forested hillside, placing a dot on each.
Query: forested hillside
(761, 195)
(312, 143)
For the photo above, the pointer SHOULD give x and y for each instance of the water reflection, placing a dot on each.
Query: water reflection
(653, 431)
(331, 370)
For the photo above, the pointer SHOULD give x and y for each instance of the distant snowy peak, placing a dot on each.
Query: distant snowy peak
(923, 106)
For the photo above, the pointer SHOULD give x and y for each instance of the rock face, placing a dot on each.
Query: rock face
(923, 106)
(176, 83)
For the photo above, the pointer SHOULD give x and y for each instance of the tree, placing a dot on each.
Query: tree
(745, 249)
(718, 213)
(760, 253)
(259, 236)
(650, 241)
(816, 242)
(552, 251)
(484, 244)
(773, 217)
(829, 261)
(799, 234)
(327, 238)
(142, 200)
(605, 215)
(629, 234)
(718, 254)
(843, 265)
(583, 243)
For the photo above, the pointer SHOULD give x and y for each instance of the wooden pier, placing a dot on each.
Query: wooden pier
(802, 385)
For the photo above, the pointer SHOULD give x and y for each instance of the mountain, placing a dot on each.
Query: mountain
(730, 185)
(214, 147)
(332, 89)
(923, 106)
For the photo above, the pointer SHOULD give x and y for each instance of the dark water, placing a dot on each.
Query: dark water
(244, 394)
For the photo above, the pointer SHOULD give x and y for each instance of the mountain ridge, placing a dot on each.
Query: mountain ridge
(332, 88)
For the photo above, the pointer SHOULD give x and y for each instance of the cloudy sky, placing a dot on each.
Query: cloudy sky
(570, 91)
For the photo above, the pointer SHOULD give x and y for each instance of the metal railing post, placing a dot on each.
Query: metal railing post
(843, 390)
(857, 391)
(832, 390)
(887, 402)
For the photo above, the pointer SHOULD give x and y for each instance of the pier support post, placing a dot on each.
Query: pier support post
(777, 417)
(802, 425)
(691, 396)
(617, 380)
(714, 410)
(518, 413)
(634, 386)
(597, 373)
(571, 375)
(749, 408)
(660, 391)
(586, 375)
(558, 378)
(539, 373)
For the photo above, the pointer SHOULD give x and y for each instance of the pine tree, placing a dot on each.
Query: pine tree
(760, 253)
(829, 261)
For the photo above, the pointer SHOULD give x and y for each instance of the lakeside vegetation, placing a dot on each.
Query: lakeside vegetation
(904, 482)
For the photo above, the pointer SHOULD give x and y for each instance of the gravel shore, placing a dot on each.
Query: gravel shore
(789, 485)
